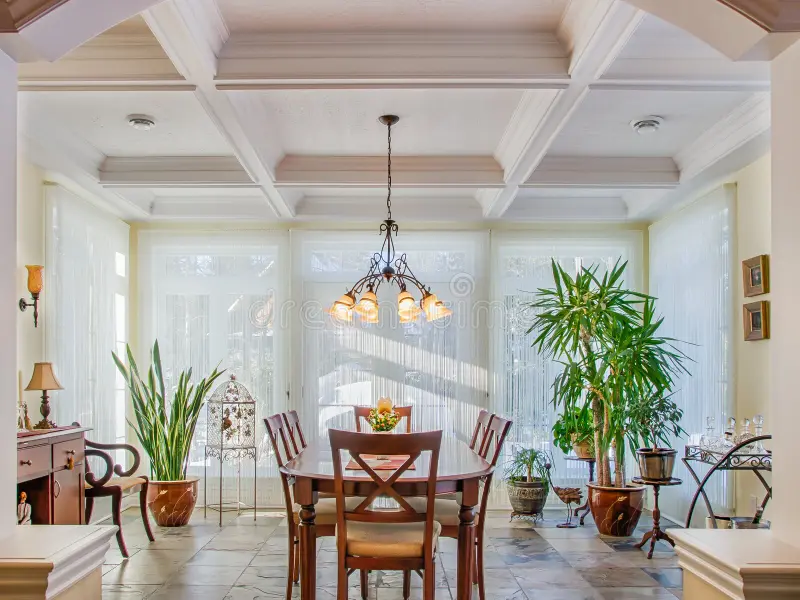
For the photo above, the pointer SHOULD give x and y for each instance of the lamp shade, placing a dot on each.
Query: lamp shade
(368, 304)
(342, 309)
(43, 378)
(34, 278)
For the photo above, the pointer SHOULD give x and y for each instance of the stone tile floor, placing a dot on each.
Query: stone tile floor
(244, 560)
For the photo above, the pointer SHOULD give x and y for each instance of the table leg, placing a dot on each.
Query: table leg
(466, 551)
(308, 552)
(585, 506)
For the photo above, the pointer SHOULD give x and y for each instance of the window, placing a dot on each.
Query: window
(212, 300)
(86, 308)
(691, 254)
(524, 377)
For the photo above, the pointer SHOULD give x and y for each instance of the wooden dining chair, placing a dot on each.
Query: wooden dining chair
(109, 485)
(279, 438)
(446, 509)
(479, 434)
(377, 539)
(362, 412)
(295, 430)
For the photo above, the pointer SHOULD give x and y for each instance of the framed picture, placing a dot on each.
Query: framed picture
(756, 321)
(755, 275)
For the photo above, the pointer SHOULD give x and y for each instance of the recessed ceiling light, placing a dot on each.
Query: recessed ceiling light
(141, 122)
(647, 125)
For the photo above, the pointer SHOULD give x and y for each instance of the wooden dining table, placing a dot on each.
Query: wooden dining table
(460, 471)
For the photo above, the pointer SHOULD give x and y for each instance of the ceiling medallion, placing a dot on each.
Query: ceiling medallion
(389, 269)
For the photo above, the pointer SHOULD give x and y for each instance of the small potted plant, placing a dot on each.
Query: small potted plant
(573, 431)
(165, 428)
(652, 419)
(527, 477)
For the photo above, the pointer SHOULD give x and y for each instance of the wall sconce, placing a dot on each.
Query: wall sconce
(35, 288)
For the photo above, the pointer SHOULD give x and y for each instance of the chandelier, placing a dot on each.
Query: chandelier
(386, 268)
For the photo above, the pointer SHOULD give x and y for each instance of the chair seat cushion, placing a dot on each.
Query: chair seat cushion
(445, 511)
(388, 540)
(125, 483)
(325, 509)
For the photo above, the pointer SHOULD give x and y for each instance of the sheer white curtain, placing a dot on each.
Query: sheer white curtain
(437, 368)
(215, 299)
(86, 272)
(691, 265)
(523, 377)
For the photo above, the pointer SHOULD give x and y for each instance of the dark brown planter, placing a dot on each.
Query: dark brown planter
(172, 502)
(616, 511)
(527, 498)
(656, 465)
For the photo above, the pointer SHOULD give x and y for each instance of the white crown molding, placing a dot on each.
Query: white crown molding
(609, 172)
(407, 171)
(593, 51)
(373, 60)
(154, 171)
(610, 208)
(417, 208)
(745, 123)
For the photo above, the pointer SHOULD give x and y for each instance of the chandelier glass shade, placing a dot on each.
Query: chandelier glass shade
(387, 268)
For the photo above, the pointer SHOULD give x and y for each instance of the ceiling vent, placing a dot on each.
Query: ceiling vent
(141, 122)
(647, 125)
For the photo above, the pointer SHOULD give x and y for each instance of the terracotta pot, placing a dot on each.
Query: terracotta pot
(172, 502)
(616, 511)
(583, 450)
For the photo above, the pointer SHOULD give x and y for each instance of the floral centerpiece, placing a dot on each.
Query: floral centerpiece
(383, 418)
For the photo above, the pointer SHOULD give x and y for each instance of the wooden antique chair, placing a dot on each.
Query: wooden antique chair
(377, 539)
(447, 507)
(295, 431)
(277, 429)
(108, 485)
(479, 434)
(362, 412)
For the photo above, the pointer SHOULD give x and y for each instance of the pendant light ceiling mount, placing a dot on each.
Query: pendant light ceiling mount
(389, 269)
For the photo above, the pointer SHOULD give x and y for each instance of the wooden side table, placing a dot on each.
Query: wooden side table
(656, 533)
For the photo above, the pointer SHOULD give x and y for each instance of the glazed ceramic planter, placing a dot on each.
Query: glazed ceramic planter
(656, 465)
(616, 511)
(527, 497)
(171, 502)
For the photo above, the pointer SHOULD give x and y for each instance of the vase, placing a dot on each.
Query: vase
(171, 502)
(616, 511)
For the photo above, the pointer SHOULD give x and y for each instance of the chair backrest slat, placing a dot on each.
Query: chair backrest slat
(481, 427)
(355, 446)
(295, 430)
(276, 428)
(362, 412)
(496, 433)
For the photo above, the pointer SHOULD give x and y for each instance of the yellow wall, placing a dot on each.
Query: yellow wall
(30, 251)
(752, 364)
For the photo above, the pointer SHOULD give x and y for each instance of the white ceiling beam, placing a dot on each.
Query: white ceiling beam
(418, 208)
(210, 209)
(579, 208)
(595, 31)
(599, 172)
(678, 85)
(67, 26)
(192, 34)
(180, 171)
(359, 60)
(407, 171)
(745, 123)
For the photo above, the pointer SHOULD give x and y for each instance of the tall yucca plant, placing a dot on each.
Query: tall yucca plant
(607, 338)
(165, 429)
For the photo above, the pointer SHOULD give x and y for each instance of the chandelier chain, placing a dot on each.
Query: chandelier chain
(389, 172)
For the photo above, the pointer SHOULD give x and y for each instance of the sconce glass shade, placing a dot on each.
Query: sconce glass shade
(342, 309)
(43, 378)
(34, 278)
(368, 304)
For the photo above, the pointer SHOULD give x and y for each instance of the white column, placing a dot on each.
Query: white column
(785, 275)
(8, 294)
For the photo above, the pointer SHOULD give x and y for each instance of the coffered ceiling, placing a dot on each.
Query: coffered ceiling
(516, 109)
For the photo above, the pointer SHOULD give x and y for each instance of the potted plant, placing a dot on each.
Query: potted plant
(606, 337)
(165, 429)
(527, 477)
(573, 431)
(651, 420)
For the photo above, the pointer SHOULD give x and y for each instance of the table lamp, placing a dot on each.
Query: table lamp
(44, 379)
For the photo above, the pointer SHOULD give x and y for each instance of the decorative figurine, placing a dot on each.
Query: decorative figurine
(26, 419)
(23, 510)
